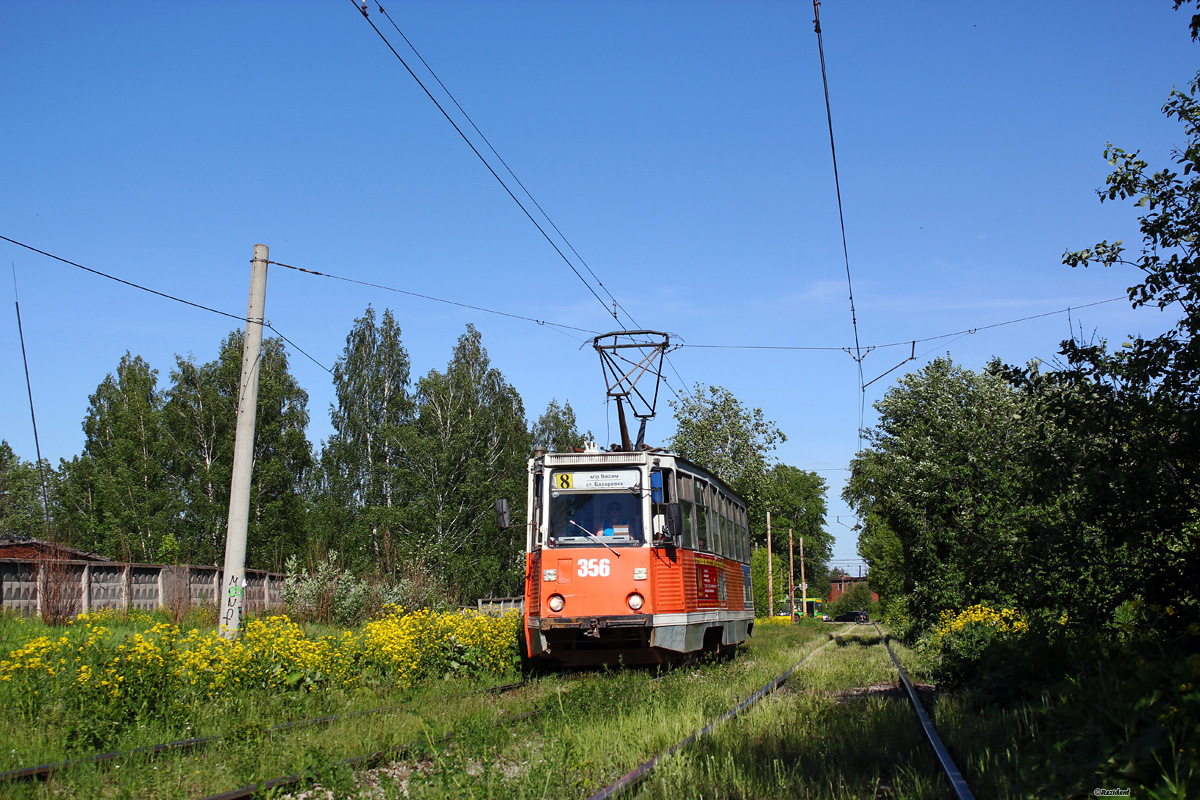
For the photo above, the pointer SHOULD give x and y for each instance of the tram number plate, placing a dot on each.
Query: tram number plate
(591, 567)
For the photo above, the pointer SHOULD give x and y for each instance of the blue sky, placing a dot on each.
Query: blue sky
(681, 147)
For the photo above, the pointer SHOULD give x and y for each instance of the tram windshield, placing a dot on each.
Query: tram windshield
(579, 518)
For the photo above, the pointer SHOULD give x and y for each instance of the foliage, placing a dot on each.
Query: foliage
(556, 429)
(327, 595)
(364, 464)
(22, 512)
(797, 502)
(758, 577)
(1138, 408)
(857, 598)
(713, 429)
(111, 681)
(948, 491)
(117, 494)
(336, 596)
(201, 416)
(468, 445)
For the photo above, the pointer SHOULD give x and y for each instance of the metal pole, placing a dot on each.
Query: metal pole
(243, 451)
(770, 573)
(792, 574)
(803, 584)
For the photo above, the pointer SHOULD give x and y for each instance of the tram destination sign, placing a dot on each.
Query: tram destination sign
(608, 479)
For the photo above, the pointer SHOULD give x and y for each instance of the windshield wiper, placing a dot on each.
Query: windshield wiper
(594, 536)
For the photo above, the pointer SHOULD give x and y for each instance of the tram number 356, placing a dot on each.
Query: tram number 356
(591, 567)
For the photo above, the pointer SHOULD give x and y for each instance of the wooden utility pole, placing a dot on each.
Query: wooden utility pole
(792, 574)
(243, 451)
(770, 573)
(803, 585)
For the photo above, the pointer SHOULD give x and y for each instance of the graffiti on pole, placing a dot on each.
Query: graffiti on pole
(231, 611)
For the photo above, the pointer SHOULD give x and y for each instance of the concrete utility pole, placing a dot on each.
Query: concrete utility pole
(792, 574)
(770, 573)
(243, 451)
(803, 584)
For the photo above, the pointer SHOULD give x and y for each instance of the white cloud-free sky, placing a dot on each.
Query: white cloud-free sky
(681, 147)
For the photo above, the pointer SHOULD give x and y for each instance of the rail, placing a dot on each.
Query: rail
(957, 783)
(631, 779)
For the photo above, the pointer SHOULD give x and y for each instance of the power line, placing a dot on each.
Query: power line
(841, 220)
(122, 280)
(363, 10)
(507, 168)
(147, 289)
(906, 342)
(431, 297)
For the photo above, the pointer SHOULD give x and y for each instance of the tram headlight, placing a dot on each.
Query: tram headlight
(556, 602)
(635, 601)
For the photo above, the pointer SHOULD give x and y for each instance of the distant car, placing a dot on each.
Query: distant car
(852, 616)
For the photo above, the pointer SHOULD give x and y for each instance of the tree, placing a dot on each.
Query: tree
(22, 510)
(468, 446)
(364, 463)
(1139, 406)
(201, 414)
(714, 430)
(118, 493)
(797, 502)
(556, 429)
(948, 486)
(758, 576)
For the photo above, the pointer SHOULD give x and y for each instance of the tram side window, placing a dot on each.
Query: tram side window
(736, 516)
(662, 493)
(744, 536)
(722, 526)
(731, 533)
(701, 515)
(686, 508)
(714, 522)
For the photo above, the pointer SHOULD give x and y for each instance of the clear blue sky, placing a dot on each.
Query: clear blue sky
(682, 148)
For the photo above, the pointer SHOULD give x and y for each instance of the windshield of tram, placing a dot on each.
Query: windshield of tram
(590, 508)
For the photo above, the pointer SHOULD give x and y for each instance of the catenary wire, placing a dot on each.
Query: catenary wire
(543, 323)
(430, 297)
(362, 10)
(858, 357)
(122, 280)
(509, 170)
(166, 296)
(906, 342)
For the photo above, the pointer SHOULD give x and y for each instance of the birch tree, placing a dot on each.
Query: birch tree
(468, 446)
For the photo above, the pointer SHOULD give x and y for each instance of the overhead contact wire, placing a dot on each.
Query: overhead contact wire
(165, 296)
(858, 356)
(362, 10)
(525, 189)
(127, 283)
(430, 297)
(507, 168)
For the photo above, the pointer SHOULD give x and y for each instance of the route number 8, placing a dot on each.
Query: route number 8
(591, 567)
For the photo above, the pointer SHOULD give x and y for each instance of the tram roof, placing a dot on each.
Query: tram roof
(636, 457)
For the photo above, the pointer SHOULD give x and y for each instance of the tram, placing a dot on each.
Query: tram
(633, 556)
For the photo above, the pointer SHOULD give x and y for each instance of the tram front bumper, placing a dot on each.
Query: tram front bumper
(590, 626)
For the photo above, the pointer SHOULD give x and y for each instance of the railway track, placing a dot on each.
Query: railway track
(628, 783)
(43, 771)
(553, 744)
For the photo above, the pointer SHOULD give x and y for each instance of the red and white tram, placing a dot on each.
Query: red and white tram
(633, 557)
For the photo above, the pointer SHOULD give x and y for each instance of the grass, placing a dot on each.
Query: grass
(812, 741)
(808, 740)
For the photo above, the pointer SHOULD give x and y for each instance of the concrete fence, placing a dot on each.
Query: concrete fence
(85, 586)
